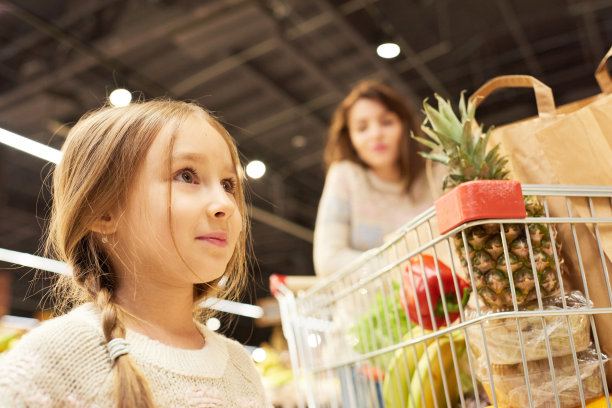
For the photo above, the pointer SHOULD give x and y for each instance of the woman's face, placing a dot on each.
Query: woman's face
(375, 133)
(193, 240)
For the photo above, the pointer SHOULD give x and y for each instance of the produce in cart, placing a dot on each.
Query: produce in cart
(422, 278)
(503, 343)
(408, 382)
(396, 384)
(512, 390)
(461, 144)
(372, 328)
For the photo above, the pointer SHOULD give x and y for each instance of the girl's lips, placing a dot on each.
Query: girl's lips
(216, 238)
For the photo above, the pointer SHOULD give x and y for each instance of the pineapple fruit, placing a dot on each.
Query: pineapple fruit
(461, 145)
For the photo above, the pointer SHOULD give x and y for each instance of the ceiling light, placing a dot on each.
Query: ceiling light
(228, 306)
(19, 322)
(213, 323)
(46, 264)
(299, 141)
(33, 261)
(255, 169)
(259, 355)
(30, 146)
(388, 50)
(120, 97)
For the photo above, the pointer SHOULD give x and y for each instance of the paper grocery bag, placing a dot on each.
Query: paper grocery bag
(568, 145)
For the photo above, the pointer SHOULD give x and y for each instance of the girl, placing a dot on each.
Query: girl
(149, 213)
(375, 180)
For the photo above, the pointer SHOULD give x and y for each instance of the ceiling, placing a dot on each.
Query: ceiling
(273, 71)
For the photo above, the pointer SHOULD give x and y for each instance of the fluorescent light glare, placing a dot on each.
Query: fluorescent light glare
(228, 306)
(18, 322)
(213, 323)
(388, 50)
(46, 264)
(120, 97)
(259, 355)
(30, 146)
(255, 169)
(33, 261)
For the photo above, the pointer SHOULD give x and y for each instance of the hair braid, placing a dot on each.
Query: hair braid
(131, 386)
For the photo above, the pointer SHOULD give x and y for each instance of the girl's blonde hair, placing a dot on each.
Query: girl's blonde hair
(101, 155)
(339, 146)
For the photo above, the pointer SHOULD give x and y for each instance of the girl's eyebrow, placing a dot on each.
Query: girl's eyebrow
(188, 156)
(197, 157)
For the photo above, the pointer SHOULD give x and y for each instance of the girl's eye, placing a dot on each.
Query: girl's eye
(229, 185)
(187, 176)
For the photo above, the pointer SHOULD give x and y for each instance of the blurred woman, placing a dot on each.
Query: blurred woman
(375, 182)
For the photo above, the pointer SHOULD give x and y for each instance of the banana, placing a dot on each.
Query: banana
(7, 342)
(422, 390)
(403, 364)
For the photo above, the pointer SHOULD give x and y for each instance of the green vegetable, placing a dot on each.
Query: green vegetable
(372, 329)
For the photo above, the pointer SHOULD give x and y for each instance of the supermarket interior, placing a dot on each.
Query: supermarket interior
(352, 245)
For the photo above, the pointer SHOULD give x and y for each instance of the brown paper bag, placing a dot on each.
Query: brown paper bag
(569, 145)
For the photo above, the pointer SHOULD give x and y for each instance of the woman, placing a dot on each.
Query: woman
(375, 179)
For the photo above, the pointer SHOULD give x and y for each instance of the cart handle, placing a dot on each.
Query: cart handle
(292, 282)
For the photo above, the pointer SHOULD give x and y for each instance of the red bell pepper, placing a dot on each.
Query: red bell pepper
(429, 278)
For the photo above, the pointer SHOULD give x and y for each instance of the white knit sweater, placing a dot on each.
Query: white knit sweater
(357, 209)
(65, 363)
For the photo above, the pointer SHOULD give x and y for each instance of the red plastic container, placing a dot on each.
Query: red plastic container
(477, 200)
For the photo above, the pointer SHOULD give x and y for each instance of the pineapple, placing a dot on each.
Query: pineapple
(461, 145)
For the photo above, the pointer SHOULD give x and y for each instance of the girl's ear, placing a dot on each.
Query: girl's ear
(106, 224)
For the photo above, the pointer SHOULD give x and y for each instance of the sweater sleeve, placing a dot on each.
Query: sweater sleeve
(61, 363)
(331, 245)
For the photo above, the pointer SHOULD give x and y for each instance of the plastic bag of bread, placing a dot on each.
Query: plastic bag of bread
(511, 389)
(502, 337)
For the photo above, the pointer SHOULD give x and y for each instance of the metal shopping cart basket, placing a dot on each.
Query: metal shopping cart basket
(356, 338)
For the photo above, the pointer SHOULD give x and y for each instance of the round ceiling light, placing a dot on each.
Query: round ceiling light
(259, 355)
(120, 97)
(213, 323)
(255, 169)
(388, 50)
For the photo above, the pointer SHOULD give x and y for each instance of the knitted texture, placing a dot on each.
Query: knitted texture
(65, 363)
(356, 211)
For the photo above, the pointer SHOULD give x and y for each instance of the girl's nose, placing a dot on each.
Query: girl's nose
(220, 203)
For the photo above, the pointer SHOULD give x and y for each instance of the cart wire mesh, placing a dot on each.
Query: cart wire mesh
(353, 344)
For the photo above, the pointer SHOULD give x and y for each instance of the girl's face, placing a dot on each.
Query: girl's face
(375, 133)
(204, 217)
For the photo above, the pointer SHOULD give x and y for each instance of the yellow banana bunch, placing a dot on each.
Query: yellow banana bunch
(8, 341)
(401, 369)
(422, 389)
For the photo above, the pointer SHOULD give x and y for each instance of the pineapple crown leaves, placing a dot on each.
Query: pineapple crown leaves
(460, 144)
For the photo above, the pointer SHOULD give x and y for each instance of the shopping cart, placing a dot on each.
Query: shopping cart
(352, 345)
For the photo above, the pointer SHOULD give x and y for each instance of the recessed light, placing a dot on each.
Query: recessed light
(299, 141)
(388, 50)
(255, 169)
(259, 355)
(213, 323)
(120, 97)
